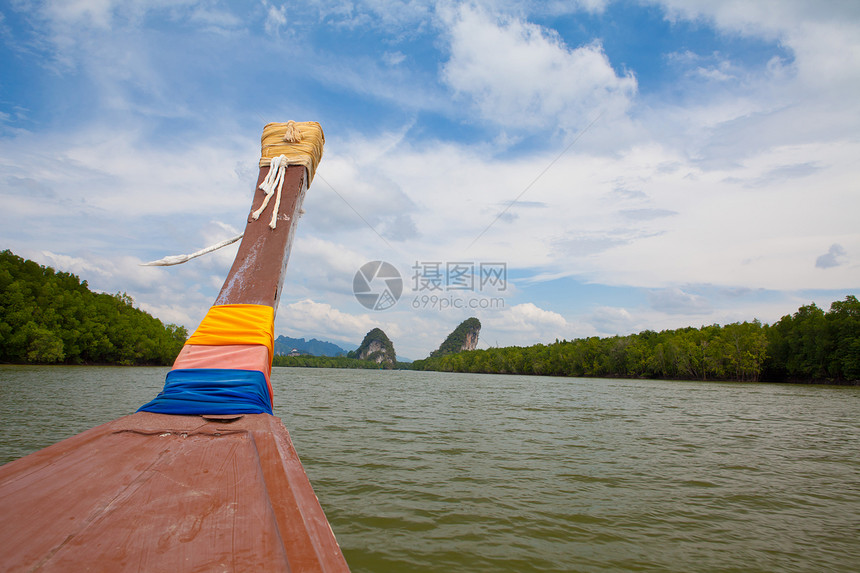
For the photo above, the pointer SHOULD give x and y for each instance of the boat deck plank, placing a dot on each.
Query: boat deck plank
(154, 492)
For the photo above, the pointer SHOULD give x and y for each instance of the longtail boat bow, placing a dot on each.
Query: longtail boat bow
(203, 477)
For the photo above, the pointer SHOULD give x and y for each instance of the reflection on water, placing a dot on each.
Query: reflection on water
(455, 472)
(40, 405)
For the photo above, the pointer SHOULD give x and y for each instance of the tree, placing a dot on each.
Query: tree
(843, 323)
(48, 316)
(745, 349)
(798, 344)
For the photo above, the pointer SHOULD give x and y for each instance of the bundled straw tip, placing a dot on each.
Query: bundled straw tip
(292, 133)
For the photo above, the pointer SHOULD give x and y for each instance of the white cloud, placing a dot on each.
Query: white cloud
(309, 317)
(154, 290)
(320, 265)
(525, 321)
(742, 178)
(97, 13)
(276, 18)
(608, 320)
(676, 301)
(824, 37)
(648, 217)
(75, 265)
(213, 18)
(393, 58)
(522, 76)
(109, 168)
(178, 314)
(107, 274)
(354, 193)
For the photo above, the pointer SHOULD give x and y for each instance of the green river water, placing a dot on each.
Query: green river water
(425, 471)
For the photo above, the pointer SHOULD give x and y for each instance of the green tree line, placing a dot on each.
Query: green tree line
(307, 361)
(808, 346)
(52, 317)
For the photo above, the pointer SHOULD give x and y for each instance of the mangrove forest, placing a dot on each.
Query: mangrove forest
(809, 346)
(50, 317)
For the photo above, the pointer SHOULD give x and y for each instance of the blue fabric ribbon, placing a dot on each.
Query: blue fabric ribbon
(212, 391)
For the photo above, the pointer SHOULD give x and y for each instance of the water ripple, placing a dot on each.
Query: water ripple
(471, 473)
(441, 472)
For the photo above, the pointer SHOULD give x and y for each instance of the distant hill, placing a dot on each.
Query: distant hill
(464, 337)
(376, 347)
(284, 345)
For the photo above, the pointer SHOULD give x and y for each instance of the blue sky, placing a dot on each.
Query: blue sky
(634, 165)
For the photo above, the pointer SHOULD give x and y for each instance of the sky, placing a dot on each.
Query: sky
(558, 169)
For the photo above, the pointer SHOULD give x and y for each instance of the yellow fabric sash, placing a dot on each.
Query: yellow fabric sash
(237, 324)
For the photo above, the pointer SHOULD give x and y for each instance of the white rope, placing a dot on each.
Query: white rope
(274, 181)
(179, 259)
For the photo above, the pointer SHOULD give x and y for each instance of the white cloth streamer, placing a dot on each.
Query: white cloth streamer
(274, 182)
(179, 259)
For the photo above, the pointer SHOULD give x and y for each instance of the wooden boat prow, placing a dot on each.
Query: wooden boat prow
(221, 490)
(265, 251)
(156, 492)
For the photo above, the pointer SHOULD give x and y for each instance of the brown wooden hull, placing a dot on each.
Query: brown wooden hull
(153, 492)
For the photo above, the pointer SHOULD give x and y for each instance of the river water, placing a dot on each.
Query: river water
(425, 471)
